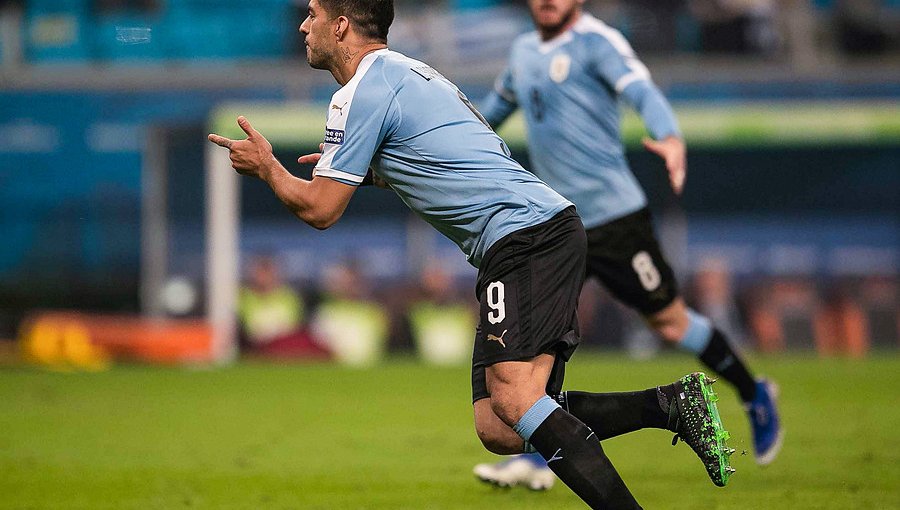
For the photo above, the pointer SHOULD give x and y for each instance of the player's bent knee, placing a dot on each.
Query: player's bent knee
(515, 388)
(510, 405)
(671, 333)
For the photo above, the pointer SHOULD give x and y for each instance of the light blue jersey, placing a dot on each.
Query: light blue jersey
(420, 134)
(568, 88)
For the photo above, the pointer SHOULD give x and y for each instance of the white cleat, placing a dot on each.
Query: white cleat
(518, 470)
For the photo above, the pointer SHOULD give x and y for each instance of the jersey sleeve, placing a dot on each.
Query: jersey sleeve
(500, 103)
(357, 125)
(616, 64)
(653, 108)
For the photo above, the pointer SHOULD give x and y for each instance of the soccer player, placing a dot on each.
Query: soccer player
(567, 77)
(421, 137)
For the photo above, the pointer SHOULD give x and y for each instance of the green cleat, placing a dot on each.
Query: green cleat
(694, 418)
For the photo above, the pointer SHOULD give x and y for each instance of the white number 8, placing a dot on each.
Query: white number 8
(646, 271)
(495, 300)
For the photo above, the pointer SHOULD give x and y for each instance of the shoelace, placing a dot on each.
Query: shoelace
(674, 421)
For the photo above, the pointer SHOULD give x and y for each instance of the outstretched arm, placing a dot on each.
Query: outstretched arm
(319, 202)
(618, 66)
(667, 142)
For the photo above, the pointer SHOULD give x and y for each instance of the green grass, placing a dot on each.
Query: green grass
(400, 436)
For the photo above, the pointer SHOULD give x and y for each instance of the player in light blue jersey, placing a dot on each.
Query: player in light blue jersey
(410, 127)
(568, 77)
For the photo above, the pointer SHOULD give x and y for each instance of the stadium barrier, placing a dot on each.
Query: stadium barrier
(74, 340)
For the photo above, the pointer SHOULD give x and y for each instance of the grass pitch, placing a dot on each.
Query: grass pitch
(400, 436)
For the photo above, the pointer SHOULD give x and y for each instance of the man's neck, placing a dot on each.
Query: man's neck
(546, 35)
(349, 59)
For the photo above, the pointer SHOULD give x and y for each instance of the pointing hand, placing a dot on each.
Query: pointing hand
(250, 156)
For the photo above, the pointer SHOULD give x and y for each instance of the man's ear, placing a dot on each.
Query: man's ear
(341, 27)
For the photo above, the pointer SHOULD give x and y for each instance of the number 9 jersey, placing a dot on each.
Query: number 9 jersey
(420, 134)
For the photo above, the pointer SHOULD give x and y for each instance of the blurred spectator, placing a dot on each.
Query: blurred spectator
(880, 298)
(351, 324)
(271, 315)
(841, 326)
(781, 314)
(714, 297)
(848, 318)
(736, 26)
(763, 321)
(441, 322)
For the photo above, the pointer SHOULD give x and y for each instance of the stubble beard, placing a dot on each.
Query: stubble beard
(317, 60)
(555, 28)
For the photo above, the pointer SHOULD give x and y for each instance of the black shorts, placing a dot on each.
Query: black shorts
(528, 288)
(625, 256)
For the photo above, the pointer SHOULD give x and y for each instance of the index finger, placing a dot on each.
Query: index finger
(221, 141)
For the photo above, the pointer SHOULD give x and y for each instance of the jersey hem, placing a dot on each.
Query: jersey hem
(339, 176)
(609, 219)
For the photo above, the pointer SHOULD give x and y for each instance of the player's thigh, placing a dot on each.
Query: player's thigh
(516, 385)
(528, 376)
(627, 259)
(553, 385)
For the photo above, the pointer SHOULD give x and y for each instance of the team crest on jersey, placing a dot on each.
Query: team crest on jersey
(335, 136)
(559, 67)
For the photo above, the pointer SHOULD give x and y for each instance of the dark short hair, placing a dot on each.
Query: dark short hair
(371, 18)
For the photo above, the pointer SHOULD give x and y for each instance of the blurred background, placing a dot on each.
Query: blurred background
(126, 237)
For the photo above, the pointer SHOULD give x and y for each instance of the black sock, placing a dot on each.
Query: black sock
(613, 414)
(575, 455)
(720, 357)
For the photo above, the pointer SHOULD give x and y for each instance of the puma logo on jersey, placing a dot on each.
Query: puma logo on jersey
(496, 338)
(340, 108)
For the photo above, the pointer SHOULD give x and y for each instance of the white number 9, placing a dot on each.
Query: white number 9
(495, 300)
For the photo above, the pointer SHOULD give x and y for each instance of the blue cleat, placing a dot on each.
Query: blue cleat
(767, 432)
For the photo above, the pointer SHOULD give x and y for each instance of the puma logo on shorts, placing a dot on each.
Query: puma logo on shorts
(499, 339)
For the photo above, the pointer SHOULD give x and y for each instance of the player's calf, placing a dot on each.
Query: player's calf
(496, 436)
(573, 452)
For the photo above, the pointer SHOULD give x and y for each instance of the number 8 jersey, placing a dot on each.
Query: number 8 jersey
(420, 134)
(569, 89)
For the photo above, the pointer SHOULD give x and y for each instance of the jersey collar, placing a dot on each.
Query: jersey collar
(365, 64)
(546, 47)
